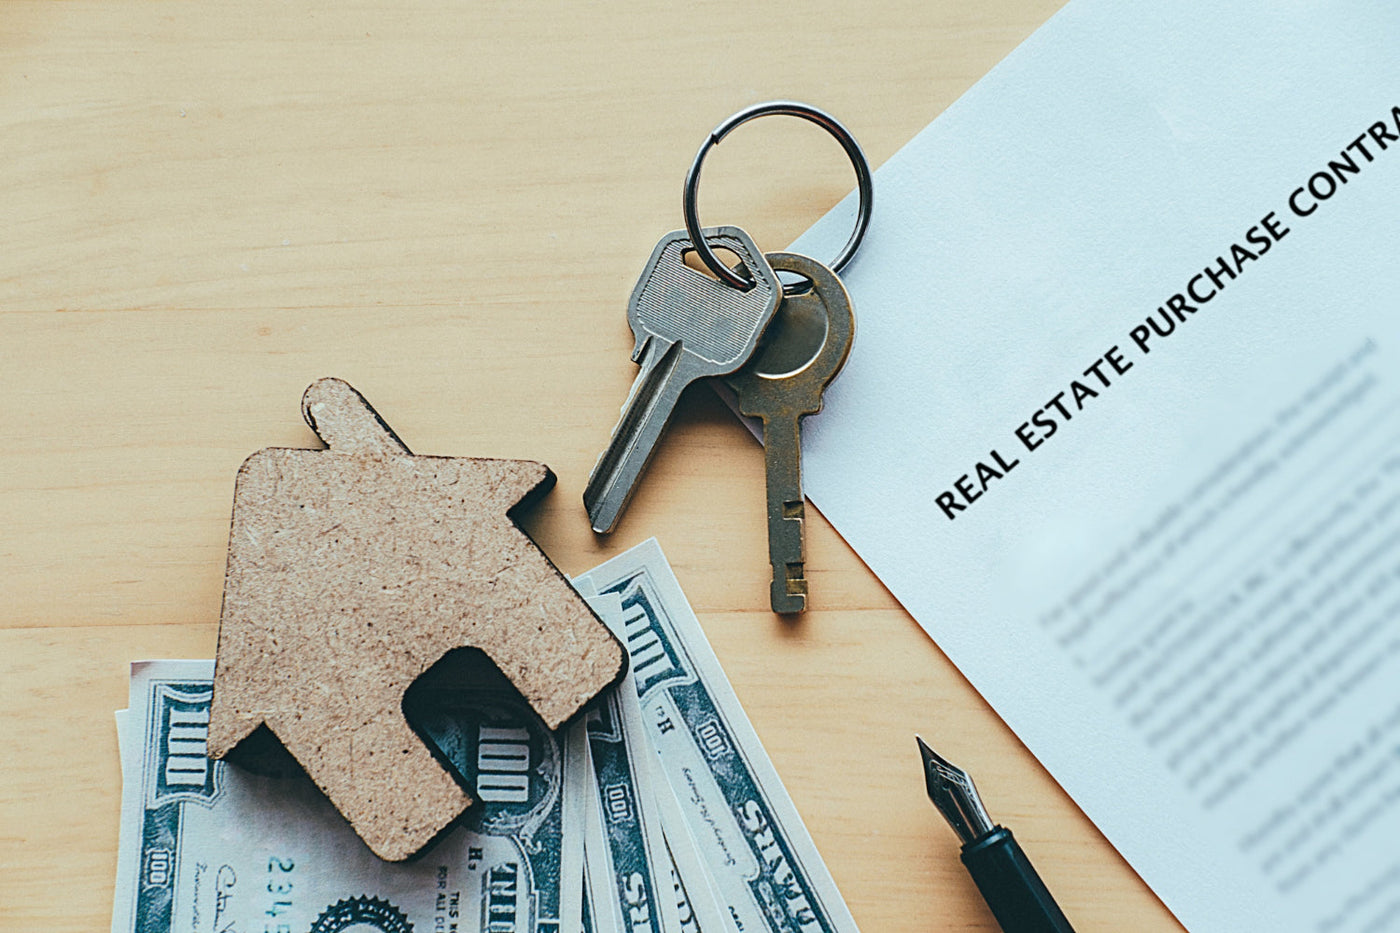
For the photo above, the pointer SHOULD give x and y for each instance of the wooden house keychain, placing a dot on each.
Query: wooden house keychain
(776, 344)
(354, 569)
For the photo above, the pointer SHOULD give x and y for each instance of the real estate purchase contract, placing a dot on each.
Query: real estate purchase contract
(1121, 429)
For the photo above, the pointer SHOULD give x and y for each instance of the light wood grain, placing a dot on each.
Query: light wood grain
(208, 206)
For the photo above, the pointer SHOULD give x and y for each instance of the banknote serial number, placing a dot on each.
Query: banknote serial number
(279, 894)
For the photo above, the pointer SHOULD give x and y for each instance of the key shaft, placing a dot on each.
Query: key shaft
(666, 371)
(787, 550)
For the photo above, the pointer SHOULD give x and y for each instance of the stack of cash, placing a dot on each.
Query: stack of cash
(656, 811)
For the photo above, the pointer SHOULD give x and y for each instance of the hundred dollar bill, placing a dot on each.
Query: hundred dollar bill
(645, 848)
(217, 848)
(763, 867)
(627, 856)
(688, 921)
(578, 787)
(121, 909)
(696, 904)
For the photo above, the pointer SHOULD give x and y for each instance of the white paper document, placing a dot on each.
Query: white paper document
(1121, 429)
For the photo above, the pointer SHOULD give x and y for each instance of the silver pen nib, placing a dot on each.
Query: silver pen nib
(952, 792)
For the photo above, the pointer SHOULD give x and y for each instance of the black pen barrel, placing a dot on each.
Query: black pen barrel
(1009, 884)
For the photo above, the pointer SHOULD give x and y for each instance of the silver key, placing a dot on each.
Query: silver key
(803, 351)
(688, 326)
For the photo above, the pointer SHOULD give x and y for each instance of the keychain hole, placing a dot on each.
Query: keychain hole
(731, 261)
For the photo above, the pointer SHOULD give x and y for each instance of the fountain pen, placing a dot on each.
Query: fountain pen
(1018, 898)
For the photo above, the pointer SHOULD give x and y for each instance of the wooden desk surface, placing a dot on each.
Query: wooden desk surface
(207, 206)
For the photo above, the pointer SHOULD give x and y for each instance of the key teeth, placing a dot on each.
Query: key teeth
(786, 603)
(788, 594)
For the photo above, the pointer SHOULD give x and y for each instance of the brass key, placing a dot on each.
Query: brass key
(802, 352)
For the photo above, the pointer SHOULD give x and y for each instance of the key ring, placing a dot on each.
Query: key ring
(788, 108)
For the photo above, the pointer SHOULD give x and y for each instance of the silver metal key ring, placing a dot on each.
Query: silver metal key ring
(787, 108)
